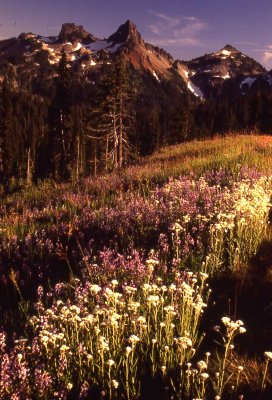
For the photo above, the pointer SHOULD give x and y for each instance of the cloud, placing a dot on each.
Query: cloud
(174, 31)
(191, 29)
(267, 55)
(163, 23)
(155, 29)
(245, 43)
(176, 42)
(163, 17)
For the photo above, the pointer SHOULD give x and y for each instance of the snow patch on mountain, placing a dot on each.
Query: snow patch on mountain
(78, 47)
(225, 52)
(48, 40)
(156, 76)
(114, 48)
(97, 46)
(194, 89)
(246, 84)
(103, 45)
(227, 76)
(44, 46)
(247, 81)
(268, 79)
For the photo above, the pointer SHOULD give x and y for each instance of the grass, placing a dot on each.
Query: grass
(139, 248)
(232, 152)
(197, 157)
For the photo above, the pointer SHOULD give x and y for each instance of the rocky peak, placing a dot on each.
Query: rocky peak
(126, 33)
(71, 32)
(26, 36)
(230, 48)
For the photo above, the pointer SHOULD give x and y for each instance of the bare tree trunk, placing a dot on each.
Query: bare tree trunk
(62, 132)
(29, 169)
(115, 154)
(121, 132)
(107, 152)
(1, 156)
(77, 162)
(95, 158)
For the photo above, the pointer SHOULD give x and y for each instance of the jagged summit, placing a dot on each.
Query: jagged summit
(26, 35)
(206, 76)
(72, 32)
(230, 48)
(126, 32)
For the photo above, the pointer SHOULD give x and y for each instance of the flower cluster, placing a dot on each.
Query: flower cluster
(186, 218)
(102, 337)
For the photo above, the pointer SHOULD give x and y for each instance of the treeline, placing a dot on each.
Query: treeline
(72, 130)
(69, 128)
(251, 112)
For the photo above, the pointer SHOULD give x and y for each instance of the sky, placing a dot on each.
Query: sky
(185, 28)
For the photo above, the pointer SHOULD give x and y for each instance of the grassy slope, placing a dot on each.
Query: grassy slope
(199, 156)
(232, 153)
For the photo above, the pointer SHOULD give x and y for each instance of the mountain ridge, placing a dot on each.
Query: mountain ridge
(68, 100)
(205, 76)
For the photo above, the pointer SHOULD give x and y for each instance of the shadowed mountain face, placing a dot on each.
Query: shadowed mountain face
(227, 70)
(33, 57)
(126, 33)
(213, 72)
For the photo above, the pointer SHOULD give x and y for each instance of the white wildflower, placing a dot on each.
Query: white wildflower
(268, 354)
(115, 384)
(226, 321)
(202, 365)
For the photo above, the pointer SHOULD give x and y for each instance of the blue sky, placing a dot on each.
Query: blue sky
(185, 28)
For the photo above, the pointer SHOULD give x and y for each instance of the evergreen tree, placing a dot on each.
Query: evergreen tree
(60, 139)
(112, 118)
(7, 154)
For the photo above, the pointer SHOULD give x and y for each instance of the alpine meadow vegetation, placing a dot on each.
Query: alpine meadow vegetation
(138, 284)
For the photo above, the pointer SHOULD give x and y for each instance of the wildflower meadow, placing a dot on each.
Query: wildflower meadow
(121, 286)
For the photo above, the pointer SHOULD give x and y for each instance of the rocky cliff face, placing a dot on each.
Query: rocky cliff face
(127, 34)
(71, 33)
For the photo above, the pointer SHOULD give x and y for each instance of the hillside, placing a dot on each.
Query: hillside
(123, 282)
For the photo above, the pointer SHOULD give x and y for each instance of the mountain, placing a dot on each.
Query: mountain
(75, 104)
(71, 33)
(214, 73)
(84, 52)
(33, 57)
